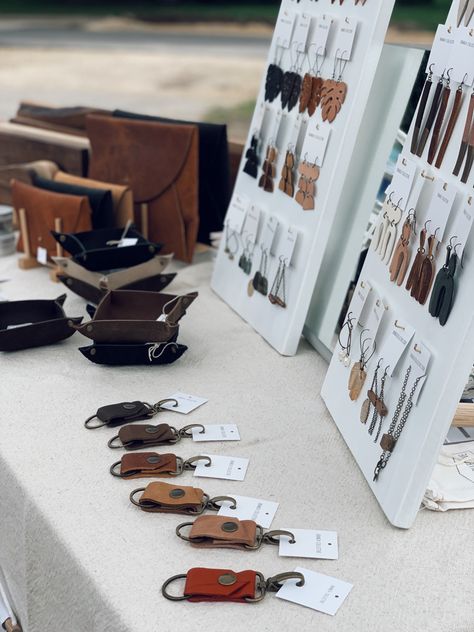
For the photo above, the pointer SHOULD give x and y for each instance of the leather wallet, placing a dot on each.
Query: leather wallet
(160, 164)
(134, 354)
(23, 173)
(100, 250)
(214, 171)
(28, 324)
(94, 295)
(42, 208)
(100, 200)
(128, 316)
(122, 196)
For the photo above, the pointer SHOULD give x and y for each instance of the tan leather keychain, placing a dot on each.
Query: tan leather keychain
(153, 465)
(158, 497)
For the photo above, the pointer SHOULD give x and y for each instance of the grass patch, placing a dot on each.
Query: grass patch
(240, 112)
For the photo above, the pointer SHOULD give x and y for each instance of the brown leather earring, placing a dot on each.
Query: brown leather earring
(401, 257)
(427, 272)
(453, 119)
(358, 373)
(443, 106)
(334, 91)
(416, 267)
(269, 170)
(286, 184)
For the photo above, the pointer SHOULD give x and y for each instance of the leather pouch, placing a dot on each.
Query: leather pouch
(99, 250)
(214, 171)
(28, 324)
(213, 584)
(122, 196)
(134, 355)
(131, 316)
(42, 208)
(223, 532)
(165, 498)
(160, 164)
(147, 465)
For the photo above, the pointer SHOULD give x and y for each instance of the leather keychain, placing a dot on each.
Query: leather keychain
(453, 119)
(465, 136)
(222, 532)
(443, 106)
(153, 465)
(401, 257)
(431, 116)
(125, 412)
(215, 584)
(161, 497)
(135, 437)
(421, 110)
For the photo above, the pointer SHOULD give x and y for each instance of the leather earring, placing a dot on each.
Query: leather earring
(442, 297)
(358, 373)
(421, 110)
(382, 225)
(291, 85)
(427, 272)
(252, 160)
(310, 97)
(231, 242)
(334, 91)
(309, 174)
(401, 257)
(468, 127)
(274, 79)
(417, 263)
(374, 400)
(345, 353)
(453, 119)
(435, 105)
(269, 170)
(443, 106)
(286, 184)
(260, 281)
(392, 217)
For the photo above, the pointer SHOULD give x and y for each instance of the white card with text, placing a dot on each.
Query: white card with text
(216, 432)
(309, 543)
(230, 468)
(186, 403)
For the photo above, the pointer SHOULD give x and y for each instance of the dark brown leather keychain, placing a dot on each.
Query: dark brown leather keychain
(125, 412)
(222, 532)
(159, 497)
(153, 465)
(453, 119)
(136, 437)
(443, 106)
(223, 585)
(421, 110)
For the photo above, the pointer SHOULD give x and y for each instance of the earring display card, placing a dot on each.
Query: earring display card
(424, 347)
(321, 67)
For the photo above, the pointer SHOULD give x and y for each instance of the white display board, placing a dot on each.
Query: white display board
(257, 217)
(445, 207)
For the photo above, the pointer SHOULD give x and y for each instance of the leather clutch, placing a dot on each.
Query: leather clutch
(100, 200)
(214, 171)
(42, 208)
(134, 354)
(160, 164)
(28, 324)
(99, 250)
(127, 316)
(94, 295)
(122, 196)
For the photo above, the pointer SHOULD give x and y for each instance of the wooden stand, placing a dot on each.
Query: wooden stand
(144, 219)
(53, 274)
(27, 262)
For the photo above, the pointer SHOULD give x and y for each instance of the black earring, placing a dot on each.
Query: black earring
(442, 297)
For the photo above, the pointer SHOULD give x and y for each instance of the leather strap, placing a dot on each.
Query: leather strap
(213, 584)
(453, 119)
(161, 497)
(439, 123)
(134, 437)
(223, 532)
(148, 465)
(465, 137)
(421, 112)
(431, 117)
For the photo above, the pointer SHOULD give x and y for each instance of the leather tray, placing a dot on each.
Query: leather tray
(28, 324)
(134, 354)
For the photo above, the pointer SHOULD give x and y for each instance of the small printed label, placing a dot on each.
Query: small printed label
(18, 326)
(375, 317)
(288, 246)
(269, 232)
(127, 241)
(238, 212)
(284, 28)
(300, 36)
(42, 255)
(359, 300)
(463, 223)
(260, 511)
(442, 50)
(345, 39)
(319, 592)
(216, 432)
(252, 222)
(319, 545)
(316, 142)
(186, 403)
(162, 318)
(402, 181)
(416, 189)
(395, 345)
(321, 34)
(419, 360)
(230, 468)
(441, 206)
(462, 60)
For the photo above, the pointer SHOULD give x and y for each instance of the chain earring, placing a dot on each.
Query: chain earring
(277, 294)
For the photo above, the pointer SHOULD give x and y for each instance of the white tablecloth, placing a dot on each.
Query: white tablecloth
(80, 558)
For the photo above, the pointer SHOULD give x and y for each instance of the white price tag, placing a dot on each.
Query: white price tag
(463, 223)
(252, 222)
(462, 59)
(284, 28)
(419, 360)
(440, 207)
(186, 403)
(416, 189)
(375, 317)
(319, 545)
(320, 592)
(316, 142)
(295, 132)
(127, 241)
(269, 232)
(229, 468)
(402, 182)
(288, 246)
(395, 345)
(260, 511)
(345, 39)
(237, 212)
(42, 255)
(216, 432)
(359, 300)
(300, 36)
(321, 34)
(441, 51)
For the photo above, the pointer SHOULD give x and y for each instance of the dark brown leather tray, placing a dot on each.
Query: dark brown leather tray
(134, 354)
(28, 324)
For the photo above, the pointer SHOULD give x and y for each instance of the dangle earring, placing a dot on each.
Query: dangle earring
(414, 275)
(466, 137)
(442, 298)
(392, 216)
(401, 257)
(345, 353)
(291, 85)
(287, 178)
(453, 119)
(274, 78)
(260, 281)
(427, 272)
(358, 373)
(269, 169)
(229, 237)
(375, 400)
(245, 261)
(383, 223)
(309, 174)
(443, 106)
(334, 91)
(435, 105)
(277, 294)
(421, 110)
(252, 159)
(310, 96)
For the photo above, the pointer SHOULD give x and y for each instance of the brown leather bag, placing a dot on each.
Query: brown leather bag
(42, 208)
(24, 173)
(160, 163)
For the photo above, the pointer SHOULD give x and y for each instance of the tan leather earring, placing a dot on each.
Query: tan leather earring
(401, 257)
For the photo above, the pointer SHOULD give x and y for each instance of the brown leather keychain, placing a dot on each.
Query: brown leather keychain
(153, 465)
(222, 532)
(125, 412)
(223, 585)
(465, 137)
(135, 437)
(453, 119)
(401, 256)
(159, 497)
(443, 106)
(421, 110)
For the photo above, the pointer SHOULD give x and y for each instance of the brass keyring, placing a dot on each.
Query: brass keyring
(189, 463)
(110, 443)
(167, 583)
(184, 432)
(260, 589)
(273, 537)
(89, 427)
(158, 406)
(183, 537)
(180, 465)
(213, 506)
(275, 583)
(112, 469)
(132, 496)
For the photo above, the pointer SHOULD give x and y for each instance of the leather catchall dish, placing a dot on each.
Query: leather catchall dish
(126, 316)
(134, 354)
(99, 250)
(28, 324)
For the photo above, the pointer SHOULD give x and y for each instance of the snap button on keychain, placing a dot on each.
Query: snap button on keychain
(125, 412)
(135, 437)
(150, 464)
(214, 584)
